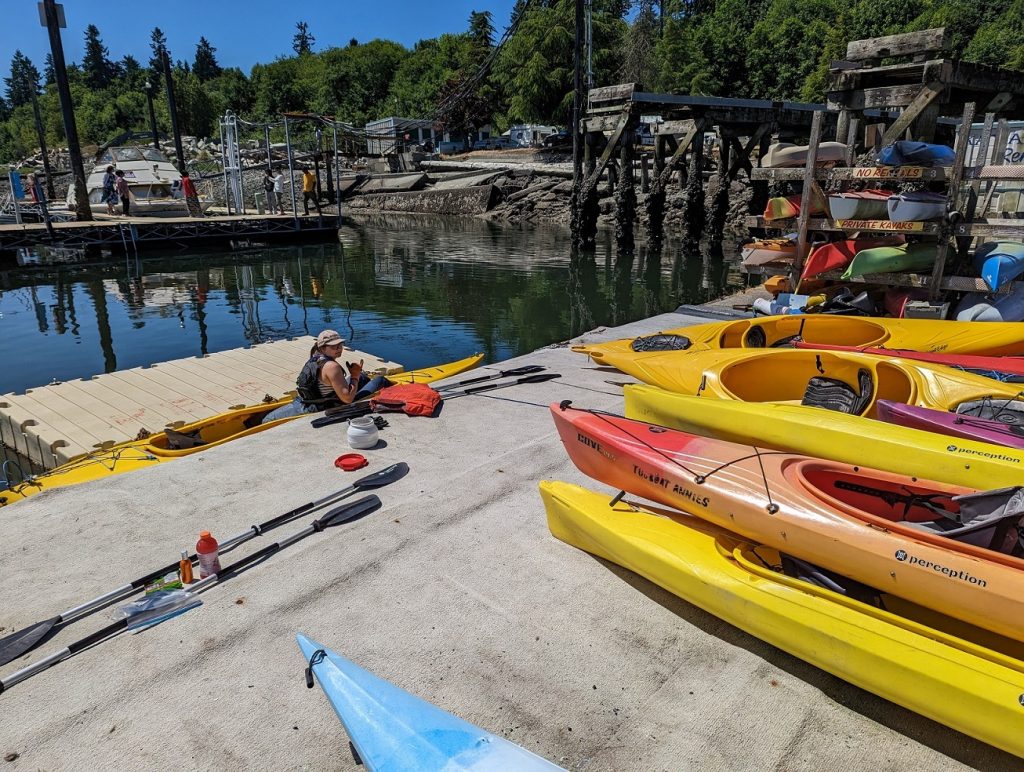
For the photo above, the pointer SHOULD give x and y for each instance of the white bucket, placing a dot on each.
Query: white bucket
(362, 433)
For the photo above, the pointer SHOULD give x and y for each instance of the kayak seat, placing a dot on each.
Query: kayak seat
(661, 342)
(834, 394)
(180, 441)
(1007, 411)
(820, 577)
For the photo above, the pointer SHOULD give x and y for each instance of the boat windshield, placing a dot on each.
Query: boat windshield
(152, 154)
(121, 154)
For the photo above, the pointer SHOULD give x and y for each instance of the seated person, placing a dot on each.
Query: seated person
(323, 382)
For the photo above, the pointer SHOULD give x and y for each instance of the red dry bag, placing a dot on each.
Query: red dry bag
(408, 398)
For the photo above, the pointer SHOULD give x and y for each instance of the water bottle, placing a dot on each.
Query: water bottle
(206, 550)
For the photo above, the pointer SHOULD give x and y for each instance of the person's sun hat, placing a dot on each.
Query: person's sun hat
(329, 338)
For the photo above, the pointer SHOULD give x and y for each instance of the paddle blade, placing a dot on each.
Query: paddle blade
(17, 643)
(384, 477)
(347, 512)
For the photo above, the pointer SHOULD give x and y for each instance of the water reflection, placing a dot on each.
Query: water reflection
(409, 289)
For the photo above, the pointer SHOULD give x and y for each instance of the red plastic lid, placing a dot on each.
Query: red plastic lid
(350, 462)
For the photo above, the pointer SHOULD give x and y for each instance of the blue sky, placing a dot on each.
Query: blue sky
(244, 32)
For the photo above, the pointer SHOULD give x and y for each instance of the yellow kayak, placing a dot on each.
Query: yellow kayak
(187, 439)
(990, 338)
(845, 380)
(959, 675)
(828, 434)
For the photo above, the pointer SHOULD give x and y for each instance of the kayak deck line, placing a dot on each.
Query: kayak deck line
(48, 426)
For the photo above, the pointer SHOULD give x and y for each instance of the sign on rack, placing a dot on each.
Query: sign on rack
(889, 172)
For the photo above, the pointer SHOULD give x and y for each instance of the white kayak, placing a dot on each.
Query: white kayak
(394, 731)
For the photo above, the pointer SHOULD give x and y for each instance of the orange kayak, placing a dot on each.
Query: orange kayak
(894, 533)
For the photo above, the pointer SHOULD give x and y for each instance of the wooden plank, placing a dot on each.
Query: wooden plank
(886, 96)
(675, 127)
(743, 153)
(905, 44)
(1002, 136)
(953, 191)
(621, 91)
(601, 122)
(929, 92)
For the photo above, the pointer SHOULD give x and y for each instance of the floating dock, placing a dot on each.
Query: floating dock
(50, 425)
(138, 234)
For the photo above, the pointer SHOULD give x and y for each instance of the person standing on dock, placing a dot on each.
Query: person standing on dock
(279, 191)
(271, 193)
(123, 192)
(309, 191)
(109, 194)
(188, 188)
(322, 383)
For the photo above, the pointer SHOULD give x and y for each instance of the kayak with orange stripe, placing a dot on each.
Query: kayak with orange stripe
(888, 531)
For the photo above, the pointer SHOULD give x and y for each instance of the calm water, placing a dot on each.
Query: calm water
(411, 290)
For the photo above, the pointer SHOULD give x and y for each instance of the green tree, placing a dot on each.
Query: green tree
(48, 76)
(158, 45)
(638, 64)
(96, 65)
(205, 65)
(23, 81)
(302, 42)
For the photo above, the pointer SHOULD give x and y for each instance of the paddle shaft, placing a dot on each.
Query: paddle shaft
(524, 370)
(364, 408)
(334, 517)
(377, 479)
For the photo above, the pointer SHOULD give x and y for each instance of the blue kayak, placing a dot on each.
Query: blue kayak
(999, 262)
(905, 153)
(393, 731)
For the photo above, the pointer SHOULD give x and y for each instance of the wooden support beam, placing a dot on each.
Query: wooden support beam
(609, 150)
(621, 92)
(929, 92)
(955, 177)
(697, 129)
(742, 159)
(806, 197)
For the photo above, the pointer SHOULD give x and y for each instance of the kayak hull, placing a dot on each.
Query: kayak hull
(859, 205)
(769, 252)
(916, 334)
(978, 307)
(783, 375)
(394, 731)
(211, 432)
(952, 424)
(979, 365)
(951, 672)
(839, 254)
(812, 509)
(916, 207)
(811, 431)
(781, 155)
(999, 263)
(894, 259)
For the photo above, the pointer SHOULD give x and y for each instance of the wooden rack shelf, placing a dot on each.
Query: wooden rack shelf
(843, 226)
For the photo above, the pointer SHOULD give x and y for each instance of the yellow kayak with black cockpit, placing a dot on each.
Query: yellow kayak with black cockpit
(188, 439)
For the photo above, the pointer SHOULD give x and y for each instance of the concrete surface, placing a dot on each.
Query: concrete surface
(455, 590)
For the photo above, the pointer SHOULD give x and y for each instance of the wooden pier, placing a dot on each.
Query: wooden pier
(139, 234)
(48, 426)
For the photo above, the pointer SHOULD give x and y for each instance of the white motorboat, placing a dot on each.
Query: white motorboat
(154, 182)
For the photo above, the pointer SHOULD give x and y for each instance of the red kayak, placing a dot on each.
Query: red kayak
(839, 254)
(1000, 368)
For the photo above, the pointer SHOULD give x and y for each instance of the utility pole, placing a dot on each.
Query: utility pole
(50, 194)
(152, 113)
(172, 108)
(577, 114)
(51, 20)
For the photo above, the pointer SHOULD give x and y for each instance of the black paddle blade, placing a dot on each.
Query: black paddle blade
(14, 645)
(524, 370)
(348, 512)
(384, 477)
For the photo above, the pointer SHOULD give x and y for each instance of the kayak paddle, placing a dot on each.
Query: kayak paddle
(539, 378)
(17, 643)
(524, 370)
(336, 516)
(364, 408)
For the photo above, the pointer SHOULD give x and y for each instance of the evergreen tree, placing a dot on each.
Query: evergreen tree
(353, 43)
(638, 54)
(5, 111)
(205, 65)
(23, 81)
(96, 64)
(303, 41)
(481, 29)
(158, 44)
(48, 76)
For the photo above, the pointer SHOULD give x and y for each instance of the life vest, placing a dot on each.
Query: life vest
(408, 398)
(308, 384)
